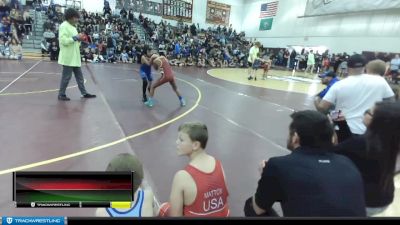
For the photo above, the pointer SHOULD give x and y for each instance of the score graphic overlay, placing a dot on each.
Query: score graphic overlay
(72, 189)
(6, 220)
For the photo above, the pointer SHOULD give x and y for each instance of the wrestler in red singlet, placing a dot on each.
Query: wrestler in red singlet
(212, 194)
(161, 63)
(211, 197)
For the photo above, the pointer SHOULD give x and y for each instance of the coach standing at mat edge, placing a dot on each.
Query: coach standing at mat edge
(70, 56)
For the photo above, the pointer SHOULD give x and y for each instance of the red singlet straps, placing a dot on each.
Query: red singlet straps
(167, 69)
(212, 194)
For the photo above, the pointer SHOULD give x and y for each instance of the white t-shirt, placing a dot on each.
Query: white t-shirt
(355, 94)
(311, 59)
(253, 54)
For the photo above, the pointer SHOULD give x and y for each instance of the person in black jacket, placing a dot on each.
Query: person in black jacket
(131, 15)
(312, 181)
(375, 154)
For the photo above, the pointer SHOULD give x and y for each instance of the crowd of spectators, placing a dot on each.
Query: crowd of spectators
(15, 23)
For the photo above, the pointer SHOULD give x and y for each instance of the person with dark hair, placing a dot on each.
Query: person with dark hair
(329, 79)
(160, 63)
(70, 56)
(312, 181)
(106, 9)
(293, 55)
(375, 154)
(123, 14)
(54, 50)
(145, 71)
(131, 16)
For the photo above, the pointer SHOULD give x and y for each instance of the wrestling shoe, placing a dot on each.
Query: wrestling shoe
(149, 103)
(183, 102)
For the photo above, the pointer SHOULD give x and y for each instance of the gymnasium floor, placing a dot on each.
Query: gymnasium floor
(247, 120)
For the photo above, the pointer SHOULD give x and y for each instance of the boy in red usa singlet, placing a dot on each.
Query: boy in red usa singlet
(199, 190)
(161, 64)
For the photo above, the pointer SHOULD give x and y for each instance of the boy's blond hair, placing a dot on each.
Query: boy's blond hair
(376, 66)
(196, 132)
(126, 162)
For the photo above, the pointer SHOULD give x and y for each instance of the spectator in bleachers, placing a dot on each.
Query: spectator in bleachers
(4, 9)
(122, 34)
(193, 30)
(54, 50)
(109, 27)
(49, 35)
(6, 26)
(142, 205)
(15, 50)
(13, 30)
(375, 154)
(131, 16)
(44, 46)
(106, 9)
(21, 31)
(311, 181)
(38, 8)
(2, 47)
(14, 4)
(123, 13)
(201, 61)
(395, 68)
(14, 14)
(124, 57)
(47, 25)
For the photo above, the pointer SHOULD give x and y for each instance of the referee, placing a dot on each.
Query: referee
(70, 56)
(253, 56)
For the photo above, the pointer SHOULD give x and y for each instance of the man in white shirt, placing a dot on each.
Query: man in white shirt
(253, 55)
(310, 62)
(356, 94)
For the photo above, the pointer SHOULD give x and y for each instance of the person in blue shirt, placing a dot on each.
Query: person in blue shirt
(329, 79)
(177, 48)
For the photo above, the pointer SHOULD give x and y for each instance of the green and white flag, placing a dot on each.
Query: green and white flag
(266, 24)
